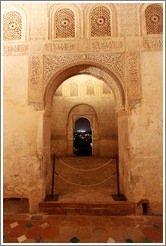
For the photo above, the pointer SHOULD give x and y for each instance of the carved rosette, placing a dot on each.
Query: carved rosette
(133, 77)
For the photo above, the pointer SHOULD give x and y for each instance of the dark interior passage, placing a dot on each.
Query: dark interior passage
(82, 138)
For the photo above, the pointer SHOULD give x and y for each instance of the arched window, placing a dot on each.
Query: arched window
(73, 89)
(154, 19)
(82, 137)
(100, 22)
(12, 26)
(90, 88)
(64, 23)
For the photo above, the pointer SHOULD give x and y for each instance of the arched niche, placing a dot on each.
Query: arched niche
(85, 111)
(13, 23)
(113, 18)
(143, 17)
(54, 9)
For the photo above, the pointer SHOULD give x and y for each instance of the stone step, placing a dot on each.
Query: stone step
(114, 208)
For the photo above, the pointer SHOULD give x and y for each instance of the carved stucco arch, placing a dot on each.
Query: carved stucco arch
(90, 68)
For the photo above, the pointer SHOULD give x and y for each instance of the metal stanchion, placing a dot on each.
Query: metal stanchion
(118, 196)
(52, 197)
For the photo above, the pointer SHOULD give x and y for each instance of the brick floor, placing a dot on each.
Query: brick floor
(86, 229)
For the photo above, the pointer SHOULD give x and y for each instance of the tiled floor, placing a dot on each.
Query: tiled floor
(82, 229)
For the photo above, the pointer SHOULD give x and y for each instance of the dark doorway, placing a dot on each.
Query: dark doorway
(82, 138)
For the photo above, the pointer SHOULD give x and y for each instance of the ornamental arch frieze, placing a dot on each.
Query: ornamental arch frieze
(119, 70)
(86, 67)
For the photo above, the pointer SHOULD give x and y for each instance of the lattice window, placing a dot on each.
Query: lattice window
(90, 89)
(59, 91)
(73, 89)
(154, 19)
(64, 24)
(12, 26)
(100, 22)
(106, 89)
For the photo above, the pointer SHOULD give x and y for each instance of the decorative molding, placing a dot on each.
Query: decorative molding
(133, 76)
(15, 49)
(114, 61)
(73, 46)
(106, 45)
(59, 46)
(35, 93)
(152, 43)
(52, 63)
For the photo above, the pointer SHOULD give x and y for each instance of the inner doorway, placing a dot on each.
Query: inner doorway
(82, 137)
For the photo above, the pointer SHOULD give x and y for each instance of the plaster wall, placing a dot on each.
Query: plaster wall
(146, 133)
(21, 166)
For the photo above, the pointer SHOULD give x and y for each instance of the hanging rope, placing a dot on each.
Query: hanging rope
(87, 170)
(84, 185)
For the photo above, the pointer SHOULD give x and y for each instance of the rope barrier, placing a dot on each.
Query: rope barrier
(83, 185)
(83, 170)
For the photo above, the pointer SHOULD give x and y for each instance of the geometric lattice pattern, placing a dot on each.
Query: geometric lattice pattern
(154, 19)
(100, 22)
(90, 89)
(12, 26)
(106, 89)
(64, 23)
